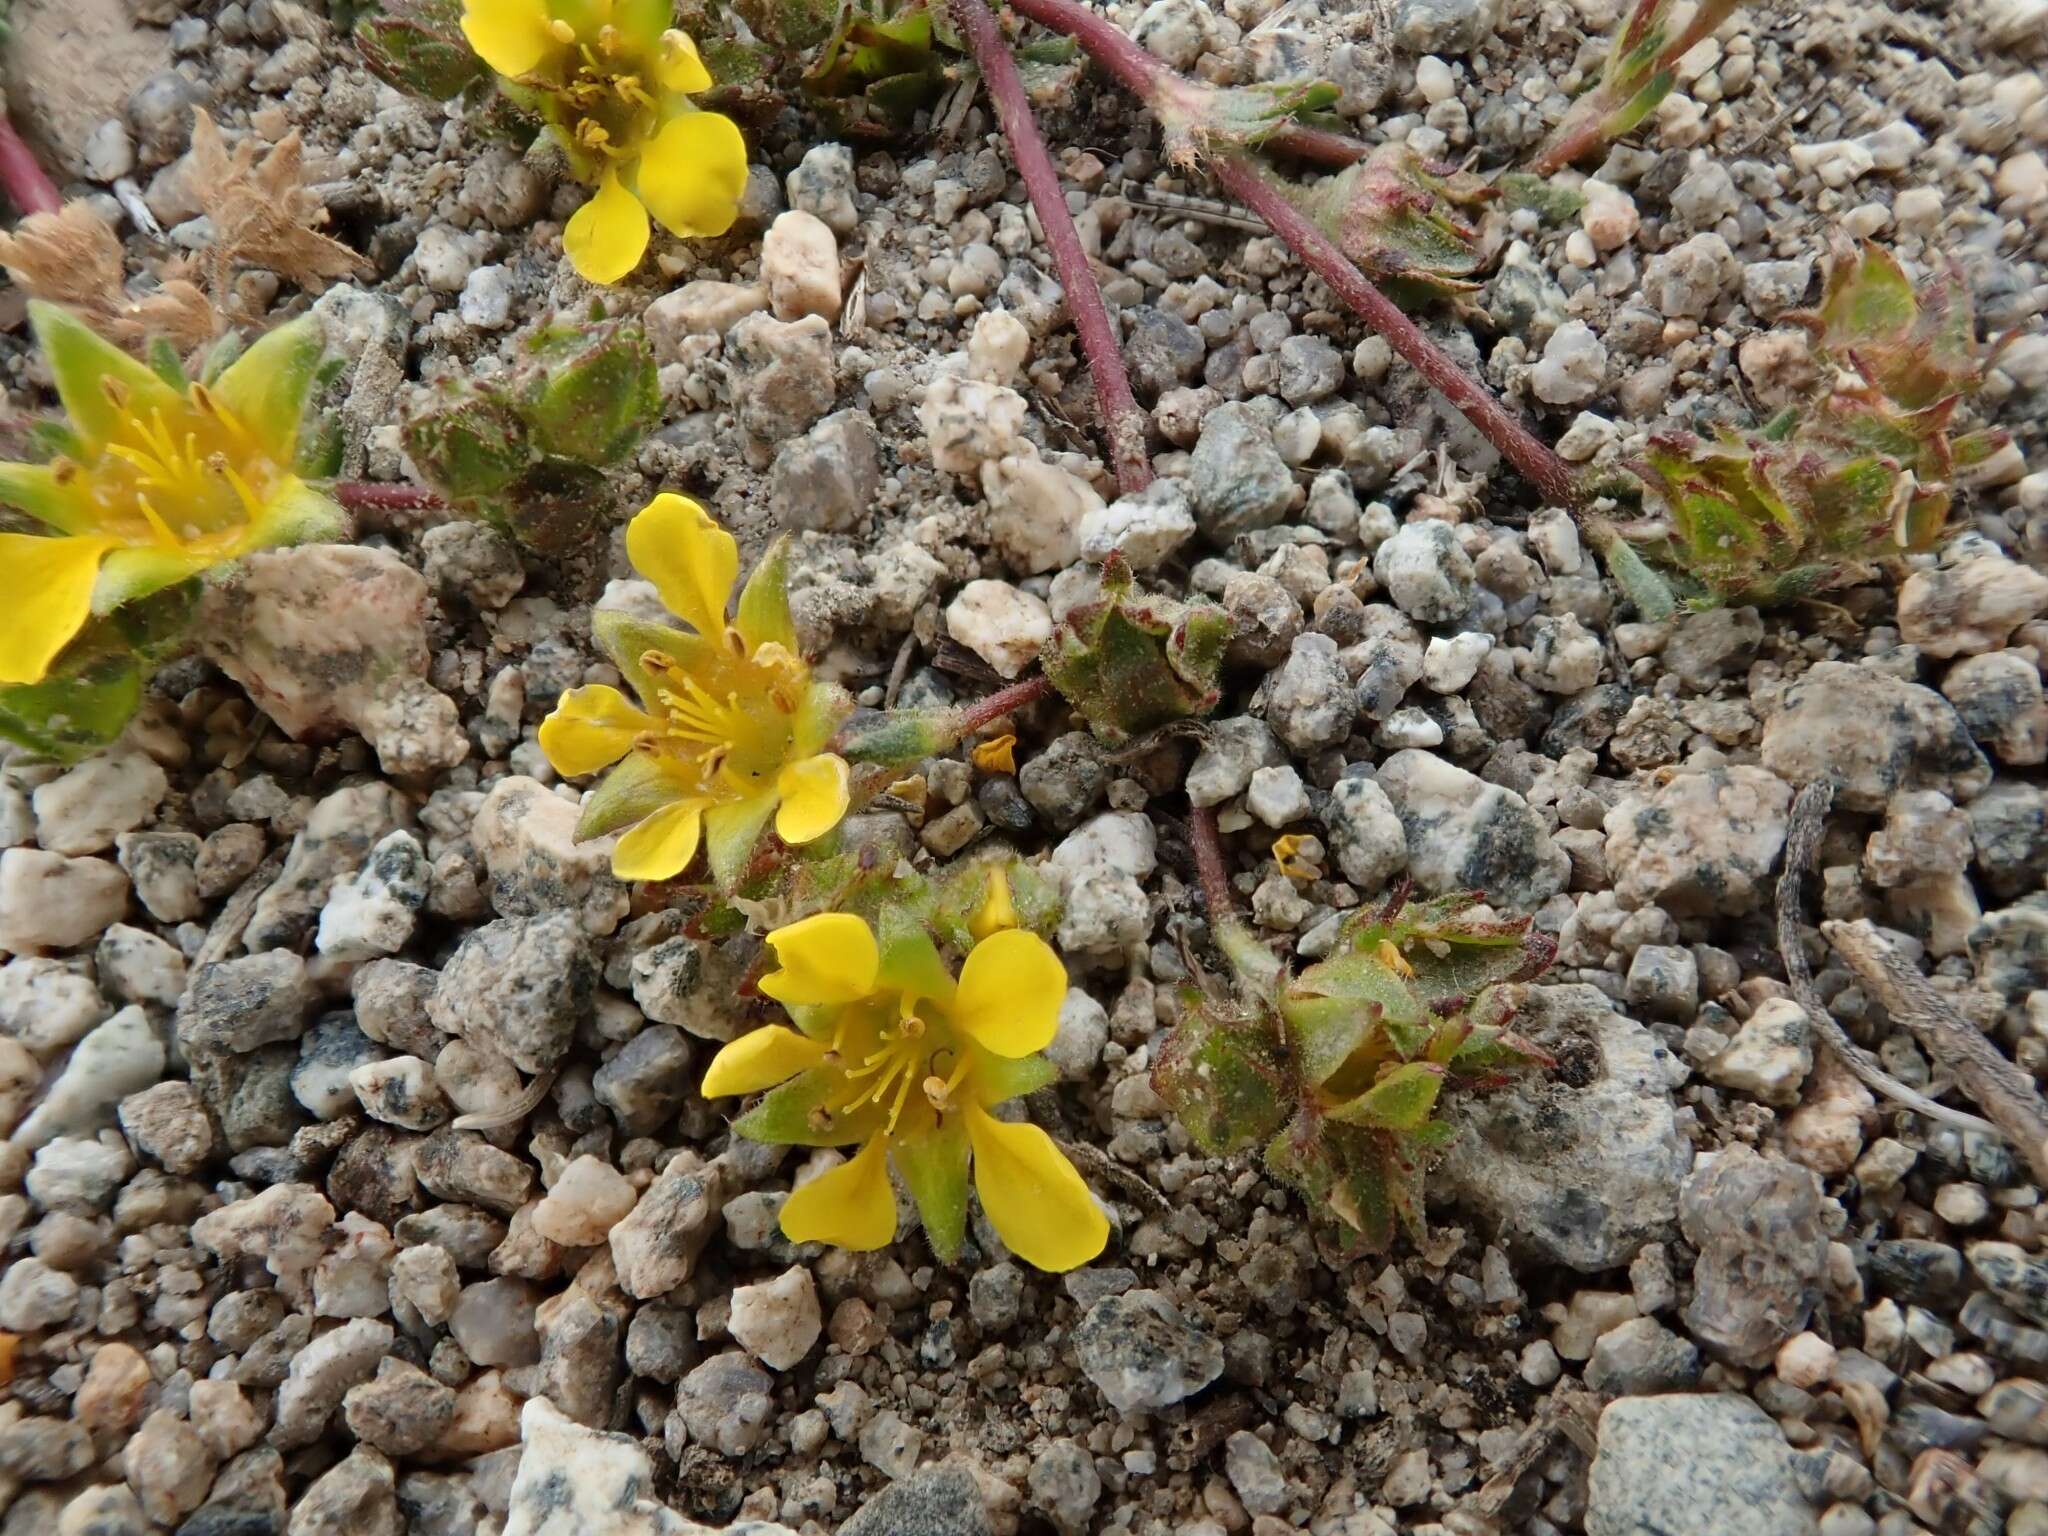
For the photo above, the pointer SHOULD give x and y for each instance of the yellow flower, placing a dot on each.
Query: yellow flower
(155, 482)
(729, 727)
(612, 80)
(892, 1054)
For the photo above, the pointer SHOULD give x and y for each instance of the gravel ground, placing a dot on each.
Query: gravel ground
(358, 1180)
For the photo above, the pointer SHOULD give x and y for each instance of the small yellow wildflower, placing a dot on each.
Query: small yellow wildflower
(890, 1053)
(612, 80)
(996, 755)
(730, 727)
(155, 484)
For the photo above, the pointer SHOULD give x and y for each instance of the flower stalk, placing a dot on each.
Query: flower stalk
(1122, 420)
(27, 185)
(373, 496)
(1004, 701)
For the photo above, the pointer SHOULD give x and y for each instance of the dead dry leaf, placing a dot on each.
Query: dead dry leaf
(71, 257)
(262, 214)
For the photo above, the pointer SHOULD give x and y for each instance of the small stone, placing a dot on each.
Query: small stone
(647, 1079)
(1769, 1056)
(800, 265)
(169, 1467)
(238, 1005)
(655, 1247)
(1308, 701)
(1238, 482)
(828, 479)
(1687, 1465)
(521, 986)
(726, 1403)
(575, 1481)
(587, 1199)
(321, 1374)
(168, 1122)
(945, 1500)
(1426, 572)
(1874, 734)
(822, 184)
(374, 914)
(1702, 842)
(1464, 834)
(1640, 1357)
(400, 1091)
(85, 808)
(401, 1411)
(967, 423)
(1959, 610)
(1141, 1354)
(777, 1321)
(1757, 1223)
(1277, 796)
(784, 379)
(1573, 367)
(1232, 751)
(48, 901)
(1003, 625)
(163, 867)
(118, 1058)
(1064, 1483)
(1255, 1472)
(1036, 511)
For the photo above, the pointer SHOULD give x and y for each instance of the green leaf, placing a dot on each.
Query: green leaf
(467, 444)
(1130, 664)
(418, 55)
(596, 399)
(1224, 1078)
(556, 507)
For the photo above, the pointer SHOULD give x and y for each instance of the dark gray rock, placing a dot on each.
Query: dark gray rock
(238, 1005)
(520, 985)
(1875, 734)
(944, 1500)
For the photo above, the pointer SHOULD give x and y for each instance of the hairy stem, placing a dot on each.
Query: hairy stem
(1251, 185)
(1175, 100)
(1122, 421)
(28, 187)
(375, 496)
(1209, 867)
(1004, 701)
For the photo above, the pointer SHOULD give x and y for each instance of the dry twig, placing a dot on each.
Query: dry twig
(1802, 843)
(71, 257)
(262, 214)
(1958, 1047)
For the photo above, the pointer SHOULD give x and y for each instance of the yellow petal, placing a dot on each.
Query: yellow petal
(828, 958)
(759, 1059)
(681, 69)
(692, 173)
(814, 797)
(49, 597)
(511, 36)
(661, 847)
(1010, 993)
(1034, 1198)
(674, 543)
(589, 728)
(851, 1206)
(607, 236)
(996, 910)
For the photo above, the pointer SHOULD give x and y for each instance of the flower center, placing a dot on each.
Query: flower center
(885, 1058)
(610, 108)
(177, 476)
(729, 715)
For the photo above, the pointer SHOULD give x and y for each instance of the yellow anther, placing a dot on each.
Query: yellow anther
(996, 755)
(1392, 958)
(561, 31)
(608, 38)
(1287, 854)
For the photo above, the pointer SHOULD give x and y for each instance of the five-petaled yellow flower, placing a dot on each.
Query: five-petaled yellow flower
(155, 482)
(892, 1054)
(612, 80)
(730, 727)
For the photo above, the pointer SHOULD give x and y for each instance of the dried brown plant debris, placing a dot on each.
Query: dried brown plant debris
(71, 257)
(262, 214)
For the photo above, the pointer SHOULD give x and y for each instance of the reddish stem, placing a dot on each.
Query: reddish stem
(1179, 102)
(1004, 701)
(1319, 145)
(374, 496)
(27, 186)
(1121, 419)
(1249, 184)
(1209, 867)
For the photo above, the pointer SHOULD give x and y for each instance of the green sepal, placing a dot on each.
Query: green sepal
(165, 363)
(624, 639)
(964, 886)
(1553, 204)
(934, 1167)
(1402, 219)
(637, 786)
(91, 693)
(763, 611)
(731, 833)
(100, 386)
(267, 386)
(895, 738)
(1399, 1101)
(998, 1079)
(787, 1115)
(910, 961)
